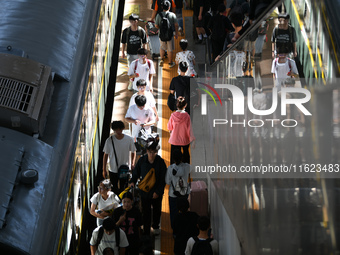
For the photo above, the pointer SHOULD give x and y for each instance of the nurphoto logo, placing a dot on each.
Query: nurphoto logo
(287, 95)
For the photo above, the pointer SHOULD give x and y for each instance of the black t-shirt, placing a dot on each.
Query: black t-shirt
(180, 84)
(284, 38)
(185, 226)
(220, 25)
(135, 40)
(142, 168)
(132, 223)
(182, 87)
(198, 4)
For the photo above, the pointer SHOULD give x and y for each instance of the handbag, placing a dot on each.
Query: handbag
(148, 181)
(172, 102)
(181, 188)
(123, 170)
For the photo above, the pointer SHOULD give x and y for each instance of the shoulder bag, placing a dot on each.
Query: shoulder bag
(123, 170)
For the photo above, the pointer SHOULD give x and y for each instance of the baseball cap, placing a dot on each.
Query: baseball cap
(134, 17)
(283, 16)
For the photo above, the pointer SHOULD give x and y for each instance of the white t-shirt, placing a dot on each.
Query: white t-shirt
(187, 56)
(150, 100)
(144, 116)
(191, 242)
(112, 199)
(109, 241)
(123, 148)
(281, 69)
(143, 70)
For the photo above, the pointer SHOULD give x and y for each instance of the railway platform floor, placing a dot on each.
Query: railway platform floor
(161, 82)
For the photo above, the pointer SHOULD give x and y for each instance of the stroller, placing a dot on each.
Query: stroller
(144, 140)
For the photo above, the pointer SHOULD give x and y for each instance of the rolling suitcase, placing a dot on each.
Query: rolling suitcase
(198, 198)
(154, 45)
(153, 39)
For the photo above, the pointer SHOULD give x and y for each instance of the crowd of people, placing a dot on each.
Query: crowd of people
(125, 220)
(129, 199)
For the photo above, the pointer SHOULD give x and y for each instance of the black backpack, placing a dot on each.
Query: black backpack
(165, 29)
(101, 233)
(202, 247)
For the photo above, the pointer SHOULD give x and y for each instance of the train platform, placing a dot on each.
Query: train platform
(260, 71)
(161, 82)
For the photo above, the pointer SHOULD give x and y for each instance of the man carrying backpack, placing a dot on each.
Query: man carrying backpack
(284, 35)
(108, 235)
(133, 38)
(167, 24)
(202, 244)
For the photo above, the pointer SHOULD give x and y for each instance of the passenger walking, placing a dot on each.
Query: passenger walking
(177, 177)
(220, 26)
(201, 7)
(203, 242)
(179, 7)
(140, 115)
(184, 226)
(283, 68)
(186, 56)
(120, 149)
(142, 68)
(103, 202)
(167, 23)
(180, 85)
(108, 236)
(284, 35)
(150, 100)
(150, 170)
(181, 134)
(157, 7)
(129, 219)
(133, 38)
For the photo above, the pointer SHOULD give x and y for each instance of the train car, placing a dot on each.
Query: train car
(55, 64)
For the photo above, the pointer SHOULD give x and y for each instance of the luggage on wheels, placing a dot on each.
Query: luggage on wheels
(198, 198)
(153, 39)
